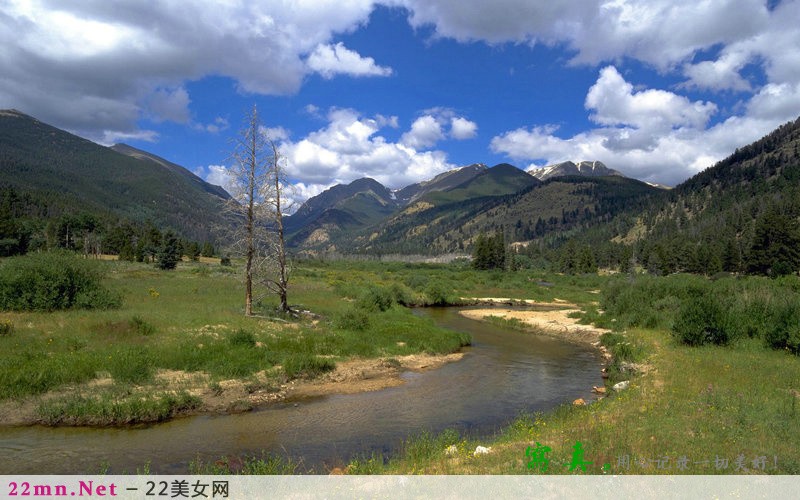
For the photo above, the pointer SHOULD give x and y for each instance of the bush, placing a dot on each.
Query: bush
(701, 320)
(352, 319)
(6, 328)
(438, 294)
(785, 333)
(225, 260)
(376, 298)
(52, 281)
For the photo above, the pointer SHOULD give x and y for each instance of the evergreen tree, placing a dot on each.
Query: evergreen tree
(169, 254)
(776, 244)
(208, 250)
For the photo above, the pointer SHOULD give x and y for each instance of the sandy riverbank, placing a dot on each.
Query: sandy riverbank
(556, 322)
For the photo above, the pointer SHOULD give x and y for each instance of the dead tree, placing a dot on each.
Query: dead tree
(257, 182)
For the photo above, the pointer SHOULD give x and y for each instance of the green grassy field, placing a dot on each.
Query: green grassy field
(106, 362)
(727, 405)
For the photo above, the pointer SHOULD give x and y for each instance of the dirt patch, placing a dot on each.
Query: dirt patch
(556, 322)
(361, 375)
(505, 301)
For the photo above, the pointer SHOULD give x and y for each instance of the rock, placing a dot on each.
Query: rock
(451, 450)
(337, 471)
(598, 390)
(621, 386)
(482, 450)
(579, 402)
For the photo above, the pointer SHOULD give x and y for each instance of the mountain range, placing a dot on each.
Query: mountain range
(713, 215)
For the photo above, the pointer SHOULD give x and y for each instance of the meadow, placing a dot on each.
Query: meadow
(712, 364)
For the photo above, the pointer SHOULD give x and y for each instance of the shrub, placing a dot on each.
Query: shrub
(6, 328)
(376, 298)
(225, 260)
(701, 320)
(401, 294)
(52, 281)
(438, 294)
(352, 319)
(785, 332)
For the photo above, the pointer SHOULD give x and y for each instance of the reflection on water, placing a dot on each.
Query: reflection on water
(505, 372)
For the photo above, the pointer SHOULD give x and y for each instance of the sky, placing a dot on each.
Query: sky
(402, 90)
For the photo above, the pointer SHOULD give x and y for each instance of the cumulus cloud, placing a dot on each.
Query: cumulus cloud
(651, 134)
(461, 128)
(660, 32)
(332, 60)
(350, 147)
(218, 175)
(425, 132)
(437, 124)
(96, 68)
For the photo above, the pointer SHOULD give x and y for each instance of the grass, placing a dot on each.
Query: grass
(712, 408)
(105, 410)
(708, 403)
(191, 320)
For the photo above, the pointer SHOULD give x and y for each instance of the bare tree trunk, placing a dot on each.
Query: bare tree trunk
(250, 224)
(283, 279)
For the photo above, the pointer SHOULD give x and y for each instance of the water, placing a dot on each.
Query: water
(504, 373)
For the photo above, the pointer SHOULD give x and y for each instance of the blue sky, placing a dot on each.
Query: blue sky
(401, 90)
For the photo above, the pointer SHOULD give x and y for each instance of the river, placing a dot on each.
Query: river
(505, 372)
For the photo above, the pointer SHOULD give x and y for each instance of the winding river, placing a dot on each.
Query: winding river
(504, 372)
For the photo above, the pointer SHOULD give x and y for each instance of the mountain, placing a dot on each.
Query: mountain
(557, 206)
(441, 182)
(175, 168)
(499, 180)
(583, 168)
(70, 174)
(714, 220)
(340, 208)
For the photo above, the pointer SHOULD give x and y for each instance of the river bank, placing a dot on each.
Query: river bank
(227, 396)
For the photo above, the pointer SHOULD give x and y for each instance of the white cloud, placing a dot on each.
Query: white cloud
(218, 175)
(437, 124)
(651, 134)
(350, 147)
(461, 128)
(332, 60)
(425, 132)
(97, 68)
(616, 103)
(722, 74)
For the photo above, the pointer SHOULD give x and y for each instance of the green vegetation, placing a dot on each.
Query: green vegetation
(82, 410)
(52, 281)
(265, 464)
(190, 322)
(700, 400)
(54, 185)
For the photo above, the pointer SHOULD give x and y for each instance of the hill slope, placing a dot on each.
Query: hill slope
(553, 207)
(342, 208)
(82, 176)
(710, 222)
